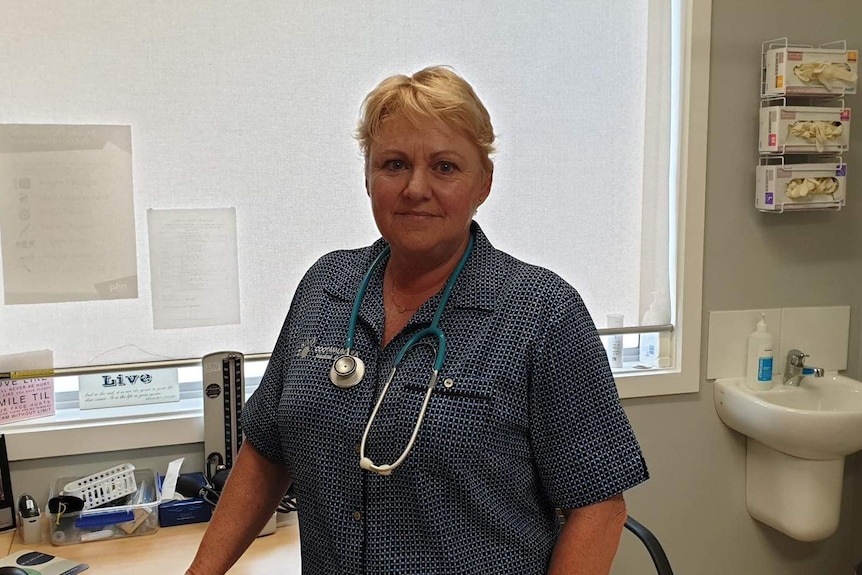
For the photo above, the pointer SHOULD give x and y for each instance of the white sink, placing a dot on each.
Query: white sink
(820, 419)
(797, 439)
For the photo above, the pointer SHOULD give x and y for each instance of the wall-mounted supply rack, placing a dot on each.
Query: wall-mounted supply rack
(804, 125)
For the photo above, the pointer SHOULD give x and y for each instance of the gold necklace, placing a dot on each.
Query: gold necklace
(398, 307)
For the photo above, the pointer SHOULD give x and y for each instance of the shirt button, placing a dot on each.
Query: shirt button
(356, 448)
(448, 382)
(357, 515)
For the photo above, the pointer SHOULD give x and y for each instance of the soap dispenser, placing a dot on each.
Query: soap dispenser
(758, 369)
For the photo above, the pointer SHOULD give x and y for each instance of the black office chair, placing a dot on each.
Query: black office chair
(652, 544)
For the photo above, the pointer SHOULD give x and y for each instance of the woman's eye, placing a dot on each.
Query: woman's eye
(396, 165)
(446, 167)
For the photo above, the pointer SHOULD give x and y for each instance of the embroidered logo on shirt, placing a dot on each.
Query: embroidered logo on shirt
(308, 348)
(305, 347)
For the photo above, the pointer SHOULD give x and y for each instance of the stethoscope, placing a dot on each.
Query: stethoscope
(347, 369)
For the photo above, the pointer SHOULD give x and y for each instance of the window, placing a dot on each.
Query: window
(600, 109)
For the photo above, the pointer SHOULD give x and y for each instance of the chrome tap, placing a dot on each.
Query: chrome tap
(795, 368)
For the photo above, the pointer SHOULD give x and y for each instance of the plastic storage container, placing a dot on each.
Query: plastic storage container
(131, 515)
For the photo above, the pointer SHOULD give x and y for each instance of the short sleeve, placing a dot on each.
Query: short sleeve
(258, 417)
(584, 446)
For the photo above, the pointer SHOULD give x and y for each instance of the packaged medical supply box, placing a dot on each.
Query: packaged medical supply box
(775, 181)
(130, 515)
(194, 510)
(804, 129)
(782, 66)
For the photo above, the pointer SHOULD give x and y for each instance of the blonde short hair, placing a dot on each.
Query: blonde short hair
(435, 92)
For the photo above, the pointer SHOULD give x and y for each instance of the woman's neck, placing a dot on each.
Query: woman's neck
(410, 275)
(419, 273)
(408, 282)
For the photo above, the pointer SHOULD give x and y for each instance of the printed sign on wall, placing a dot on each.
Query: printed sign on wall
(128, 388)
(26, 398)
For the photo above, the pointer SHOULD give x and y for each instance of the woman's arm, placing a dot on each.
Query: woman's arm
(589, 539)
(254, 488)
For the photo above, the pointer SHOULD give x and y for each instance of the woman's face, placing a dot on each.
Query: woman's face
(425, 182)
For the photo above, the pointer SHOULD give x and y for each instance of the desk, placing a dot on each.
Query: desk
(6, 540)
(169, 551)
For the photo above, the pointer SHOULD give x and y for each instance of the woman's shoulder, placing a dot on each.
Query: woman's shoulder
(508, 280)
(543, 283)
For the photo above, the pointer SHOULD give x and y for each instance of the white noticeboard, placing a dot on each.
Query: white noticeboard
(128, 388)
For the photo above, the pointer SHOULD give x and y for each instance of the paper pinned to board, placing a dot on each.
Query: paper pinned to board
(67, 213)
(193, 267)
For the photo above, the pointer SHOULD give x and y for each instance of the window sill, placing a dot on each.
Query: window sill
(654, 382)
(76, 432)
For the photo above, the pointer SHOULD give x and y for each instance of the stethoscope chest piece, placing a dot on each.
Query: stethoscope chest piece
(346, 371)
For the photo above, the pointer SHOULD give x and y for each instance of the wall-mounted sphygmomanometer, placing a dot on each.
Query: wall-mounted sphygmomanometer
(224, 399)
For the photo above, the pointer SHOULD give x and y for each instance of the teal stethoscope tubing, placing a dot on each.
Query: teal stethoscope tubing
(432, 330)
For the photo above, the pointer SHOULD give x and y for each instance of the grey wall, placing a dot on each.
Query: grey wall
(695, 500)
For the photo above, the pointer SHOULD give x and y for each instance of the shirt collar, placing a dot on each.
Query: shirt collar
(476, 288)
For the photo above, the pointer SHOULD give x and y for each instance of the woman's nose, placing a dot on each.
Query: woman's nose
(419, 184)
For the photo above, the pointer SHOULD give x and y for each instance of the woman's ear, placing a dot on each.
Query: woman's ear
(486, 191)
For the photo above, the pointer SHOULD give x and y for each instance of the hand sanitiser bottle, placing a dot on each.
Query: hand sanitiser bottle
(615, 342)
(649, 346)
(758, 370)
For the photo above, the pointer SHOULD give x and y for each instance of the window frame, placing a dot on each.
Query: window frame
(690, 198)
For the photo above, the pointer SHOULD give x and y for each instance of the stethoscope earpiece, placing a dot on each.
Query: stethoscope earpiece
(346, 371)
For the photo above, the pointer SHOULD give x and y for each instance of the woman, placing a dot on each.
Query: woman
(523, 417)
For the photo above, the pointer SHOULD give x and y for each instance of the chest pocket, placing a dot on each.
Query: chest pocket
(455, 428)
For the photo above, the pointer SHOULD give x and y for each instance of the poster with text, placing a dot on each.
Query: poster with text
(67, 224)
(23, 393)
(26, 398)
(193, 267)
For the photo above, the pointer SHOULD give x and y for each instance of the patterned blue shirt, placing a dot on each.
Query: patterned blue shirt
(525, 418)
